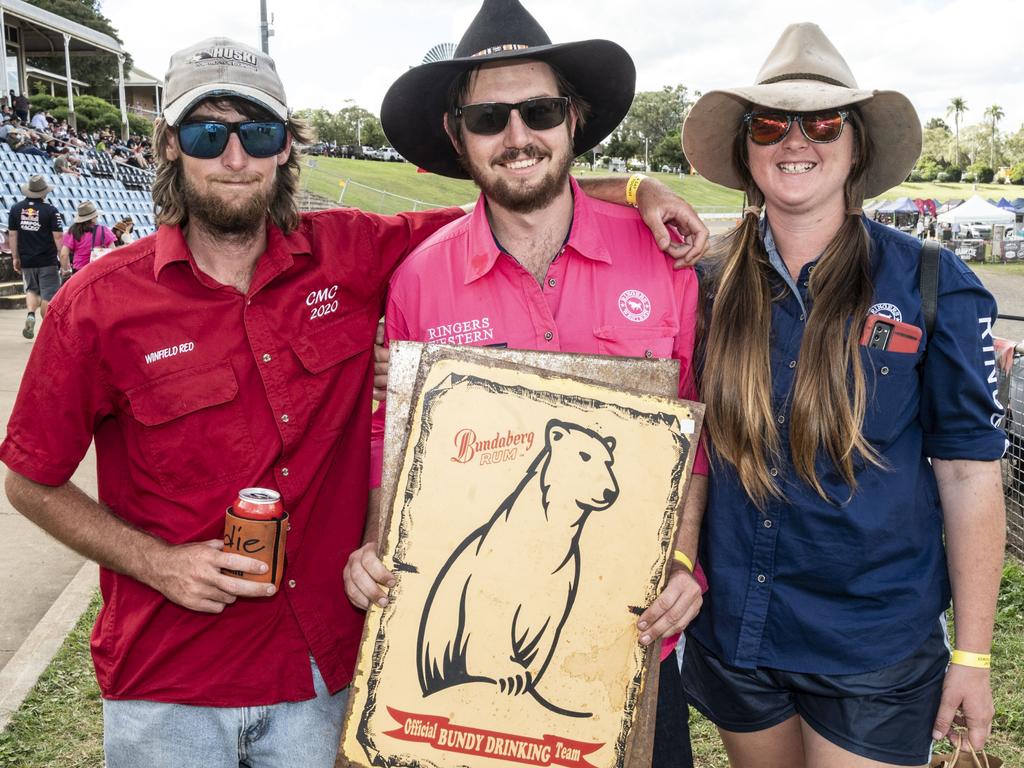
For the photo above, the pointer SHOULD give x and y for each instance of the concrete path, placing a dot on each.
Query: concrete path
(35, 570)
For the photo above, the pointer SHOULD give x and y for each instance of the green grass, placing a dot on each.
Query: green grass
(60, 724)
(943, 192)
(322, 174)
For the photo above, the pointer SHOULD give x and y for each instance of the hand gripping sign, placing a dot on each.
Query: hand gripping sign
(523, 557)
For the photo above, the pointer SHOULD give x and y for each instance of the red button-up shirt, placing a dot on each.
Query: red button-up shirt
(192, 391)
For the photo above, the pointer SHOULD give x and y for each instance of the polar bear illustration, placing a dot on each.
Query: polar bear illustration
(526, 558)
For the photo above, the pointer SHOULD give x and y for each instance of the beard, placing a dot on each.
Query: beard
(235, 219)
(517, 197)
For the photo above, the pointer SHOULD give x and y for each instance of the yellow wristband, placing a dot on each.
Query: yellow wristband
(968, 659)
(680, 557)
(632, 186)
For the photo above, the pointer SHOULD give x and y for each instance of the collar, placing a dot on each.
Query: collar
(172, 247)
(584, 236)
(775, 258)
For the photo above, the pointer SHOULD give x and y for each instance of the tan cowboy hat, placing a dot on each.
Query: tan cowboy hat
(37, 186)
(804, 73)
(87, 211)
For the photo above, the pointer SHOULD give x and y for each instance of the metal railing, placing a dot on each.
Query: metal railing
(1011, 390)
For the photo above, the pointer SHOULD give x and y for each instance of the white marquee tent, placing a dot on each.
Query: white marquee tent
(977, 210)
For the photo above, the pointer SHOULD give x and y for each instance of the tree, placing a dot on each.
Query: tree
(669, 152)
(957, 107)
(995, 114)
(937, 122)
(937, 143)
(98, 69)
(654, 116)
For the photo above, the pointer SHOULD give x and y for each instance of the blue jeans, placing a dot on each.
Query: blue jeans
(150, 734)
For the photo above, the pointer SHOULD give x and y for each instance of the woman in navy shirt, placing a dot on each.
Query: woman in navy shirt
(855, 490)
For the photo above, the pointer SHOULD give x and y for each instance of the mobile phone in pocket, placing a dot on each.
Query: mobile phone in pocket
(881, 332)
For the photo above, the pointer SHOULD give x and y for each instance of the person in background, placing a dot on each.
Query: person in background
(36, 229)
(124, 231)
(82, 238)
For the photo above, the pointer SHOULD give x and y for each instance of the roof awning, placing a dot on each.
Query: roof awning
(42, 32)
(52, 77)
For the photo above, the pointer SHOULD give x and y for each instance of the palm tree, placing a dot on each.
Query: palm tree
(995, 114)
(957, 107)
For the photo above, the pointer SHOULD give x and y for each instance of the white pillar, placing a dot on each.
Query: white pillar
(72, 121)
(120, 95)
(156, 99)
(3, 64)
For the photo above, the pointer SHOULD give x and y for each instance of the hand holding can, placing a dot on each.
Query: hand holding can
(256, 526)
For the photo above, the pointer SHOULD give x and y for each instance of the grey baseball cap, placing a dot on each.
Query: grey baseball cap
(221, 67)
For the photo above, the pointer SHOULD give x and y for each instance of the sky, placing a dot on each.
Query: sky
(333, 54)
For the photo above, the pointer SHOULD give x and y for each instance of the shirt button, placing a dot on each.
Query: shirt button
(552, 282)
(548, 336)
(284, 417)
(781, 419)
(648, 354)
(761, 579)
(767, 524)
(792, 363)
(288, 528)
(802, 317)
(284, 472)
(291, 583)
(884, 370)
(266, 358)
(773, 472)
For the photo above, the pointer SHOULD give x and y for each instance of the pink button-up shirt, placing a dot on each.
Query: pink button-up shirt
(609, 291)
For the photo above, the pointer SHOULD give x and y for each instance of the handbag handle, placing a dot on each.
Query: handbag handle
(951, 763)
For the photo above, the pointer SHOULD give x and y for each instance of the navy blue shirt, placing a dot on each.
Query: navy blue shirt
(852, 585)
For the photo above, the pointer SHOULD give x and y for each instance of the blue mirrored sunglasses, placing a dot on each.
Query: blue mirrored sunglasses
(207, 139)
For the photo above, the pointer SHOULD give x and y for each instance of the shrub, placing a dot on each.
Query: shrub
(1016, 175)
(944, 177)
(981, 172)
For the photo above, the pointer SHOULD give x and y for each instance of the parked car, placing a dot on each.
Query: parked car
(369, 153)
(390, 154)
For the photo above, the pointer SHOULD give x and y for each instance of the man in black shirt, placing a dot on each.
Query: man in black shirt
(36, 231)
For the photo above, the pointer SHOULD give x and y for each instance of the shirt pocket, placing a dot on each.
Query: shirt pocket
(893, 391)
(192, 427)
(335, 367)
(637, 340)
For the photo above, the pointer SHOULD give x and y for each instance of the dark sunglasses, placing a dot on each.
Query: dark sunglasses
(765, 128)
(491, 117)
(207, 139)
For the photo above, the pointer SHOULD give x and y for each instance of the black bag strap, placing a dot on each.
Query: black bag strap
(929, 283)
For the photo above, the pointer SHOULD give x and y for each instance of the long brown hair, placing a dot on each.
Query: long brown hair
(168, 193)
(829, 396)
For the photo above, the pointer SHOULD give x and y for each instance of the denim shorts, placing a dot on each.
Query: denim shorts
(151, 734)
(42, 281)
(886, 715)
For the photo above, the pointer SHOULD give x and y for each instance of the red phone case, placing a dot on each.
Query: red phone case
(903, 337)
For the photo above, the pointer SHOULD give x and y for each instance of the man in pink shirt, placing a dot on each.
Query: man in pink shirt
(539, 264)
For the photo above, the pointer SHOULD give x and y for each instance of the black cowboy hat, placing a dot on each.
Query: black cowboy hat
(412, 113)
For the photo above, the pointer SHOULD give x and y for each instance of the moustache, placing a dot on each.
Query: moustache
(510, 155)
(244, 178)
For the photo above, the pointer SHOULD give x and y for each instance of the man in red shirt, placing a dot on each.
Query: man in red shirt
(539, 264)
(231, 349)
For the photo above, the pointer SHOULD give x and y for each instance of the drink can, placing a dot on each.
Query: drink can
(256, 525)
(258, 504)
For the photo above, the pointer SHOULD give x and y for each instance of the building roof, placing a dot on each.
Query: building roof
(37, 42)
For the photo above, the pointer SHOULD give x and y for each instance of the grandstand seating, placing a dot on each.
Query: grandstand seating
(118, 190)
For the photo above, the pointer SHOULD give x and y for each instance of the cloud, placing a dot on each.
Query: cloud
(931, 50)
